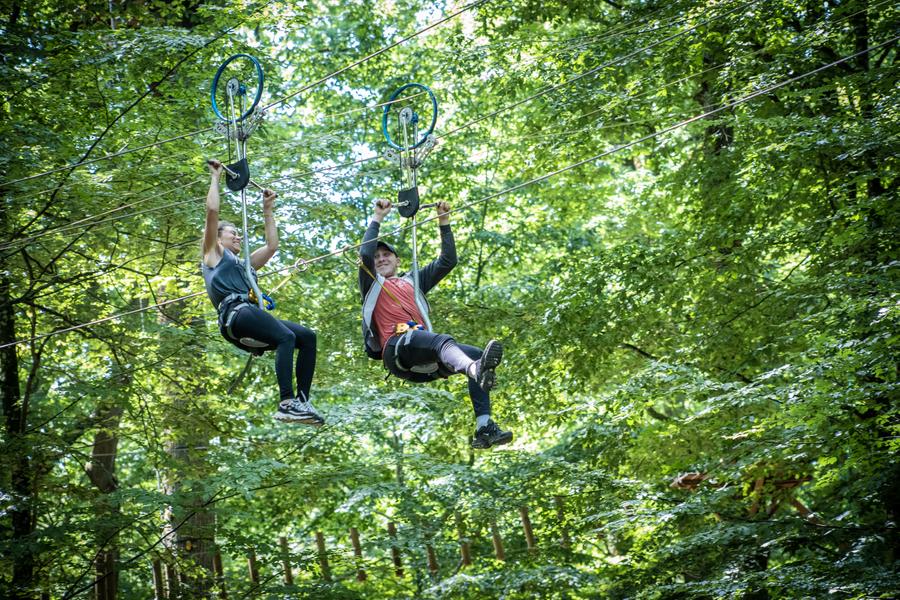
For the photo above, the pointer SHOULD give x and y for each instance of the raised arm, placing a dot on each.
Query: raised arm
(262, 255)
(433, 272)
(367, 249)
(212, 252)
(369, 245)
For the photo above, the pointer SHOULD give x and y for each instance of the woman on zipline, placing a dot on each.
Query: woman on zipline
(394, 330)
(241, 321)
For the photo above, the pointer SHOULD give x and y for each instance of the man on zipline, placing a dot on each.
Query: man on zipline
(394, 330)
(241, 321)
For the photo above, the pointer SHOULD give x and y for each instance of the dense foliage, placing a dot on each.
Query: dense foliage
(701, 327)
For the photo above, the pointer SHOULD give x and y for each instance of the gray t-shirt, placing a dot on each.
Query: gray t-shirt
(226, 278)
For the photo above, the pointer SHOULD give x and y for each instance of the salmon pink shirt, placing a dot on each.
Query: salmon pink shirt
(387, 313)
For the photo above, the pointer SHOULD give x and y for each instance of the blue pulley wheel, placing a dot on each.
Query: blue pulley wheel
(242, 89)
(415, 116)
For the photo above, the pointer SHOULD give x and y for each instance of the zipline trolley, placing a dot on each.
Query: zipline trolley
(241, 79)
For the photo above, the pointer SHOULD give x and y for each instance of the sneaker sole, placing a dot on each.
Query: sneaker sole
(298, 419)
(487, 381)
(493, 354)
(502, 440)
(490, 358)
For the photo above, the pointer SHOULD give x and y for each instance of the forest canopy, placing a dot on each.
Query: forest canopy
(680, 218)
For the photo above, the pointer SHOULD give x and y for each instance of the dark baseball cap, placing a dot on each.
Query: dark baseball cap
(388, 247)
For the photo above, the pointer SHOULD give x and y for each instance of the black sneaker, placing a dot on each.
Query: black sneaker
(483, 368)
(298, 410)
(491, 435)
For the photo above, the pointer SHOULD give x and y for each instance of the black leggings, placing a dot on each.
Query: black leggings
(283, 337)
(426, 347)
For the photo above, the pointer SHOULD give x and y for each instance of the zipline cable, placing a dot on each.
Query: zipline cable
(366, 159)
(301, 264)
(81, 225)
(589, 72)
(596, 69)
(74, 224)
(272, 104)
(365, 108)
(520, 186)
(219, 35)
(557, 86)
(379, 52)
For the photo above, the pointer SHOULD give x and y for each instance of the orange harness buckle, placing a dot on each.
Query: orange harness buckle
(401, 328)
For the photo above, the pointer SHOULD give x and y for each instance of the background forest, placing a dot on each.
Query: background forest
(700, 321)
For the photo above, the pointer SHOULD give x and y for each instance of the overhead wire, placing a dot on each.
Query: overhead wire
(302, 264)
(82, 224)
(89, 222)
(366, 108)
(366, 159)
(810, 33)
(267, 107)
(781, 84)
(567, 82)
(542, 92)
(219, 35)
(355, 162)
(192, 151)
(73, 224)
(104, 272)
(377, 53)
(37, 194)
(596, 69)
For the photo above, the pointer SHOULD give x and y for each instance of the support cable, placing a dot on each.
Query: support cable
(303, 264)
(464, 126)
(270, 105)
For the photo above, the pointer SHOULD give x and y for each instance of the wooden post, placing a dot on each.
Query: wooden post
(323, 556)
(566, 542)
(526, 526)
(432, 561)
(464, 549)
(286, 560)
(220, 574)
(357, 552)
(159, 586)
(252, 568)
(498, 541)
(395, 551)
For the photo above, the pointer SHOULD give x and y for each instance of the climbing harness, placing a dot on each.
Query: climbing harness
(400, 329)
(409, 157)
(240, 122)
(228, 310)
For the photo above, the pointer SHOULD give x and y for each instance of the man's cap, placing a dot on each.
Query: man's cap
(388, 247)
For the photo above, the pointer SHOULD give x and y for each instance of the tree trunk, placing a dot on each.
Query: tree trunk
(17, 455)
(718, 137)
(190, 526)
(101, 472)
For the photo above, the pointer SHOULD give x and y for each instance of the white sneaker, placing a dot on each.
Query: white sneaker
(298, 410)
